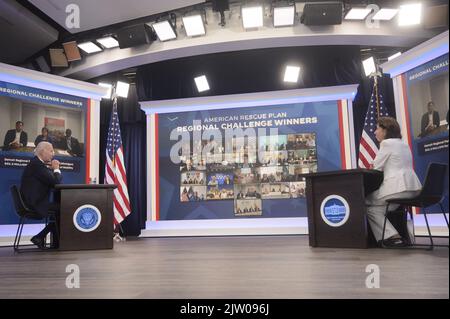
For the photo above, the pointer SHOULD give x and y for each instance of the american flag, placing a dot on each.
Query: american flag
(368, 146)
(115, 168)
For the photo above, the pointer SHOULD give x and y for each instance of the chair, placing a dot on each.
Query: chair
(431, 193)
(25, 213)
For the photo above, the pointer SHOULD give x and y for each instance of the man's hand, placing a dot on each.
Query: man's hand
(55, 164)
(430, 127)
(14, 145)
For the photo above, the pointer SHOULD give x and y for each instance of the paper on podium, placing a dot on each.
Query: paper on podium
(62, 152)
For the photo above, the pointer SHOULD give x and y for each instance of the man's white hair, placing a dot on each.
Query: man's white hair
(40, 147)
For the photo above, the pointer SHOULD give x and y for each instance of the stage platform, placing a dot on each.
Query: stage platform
(226, 267)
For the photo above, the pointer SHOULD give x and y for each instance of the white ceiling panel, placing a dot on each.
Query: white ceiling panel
(100, 13)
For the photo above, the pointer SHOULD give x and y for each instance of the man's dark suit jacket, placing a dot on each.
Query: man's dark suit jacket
(37, 182)
(76, 148)
(424, 124)
(11, 136)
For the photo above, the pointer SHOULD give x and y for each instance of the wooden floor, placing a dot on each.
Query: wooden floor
(225, 267)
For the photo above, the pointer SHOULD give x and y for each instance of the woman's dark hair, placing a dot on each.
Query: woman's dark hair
(391, 126)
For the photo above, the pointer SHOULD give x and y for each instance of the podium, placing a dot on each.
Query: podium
(86, 220)
(336, 207)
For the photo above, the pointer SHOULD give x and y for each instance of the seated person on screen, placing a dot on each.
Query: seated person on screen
(213, 181)
(430, 120)
(15, 138)
(184, 195)
(71, 144)
(44, 137)
(310, 142)
(394, 159)
(36, 185)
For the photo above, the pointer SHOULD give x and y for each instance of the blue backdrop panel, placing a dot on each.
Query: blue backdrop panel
(328, 156)
(429, 82)
(12, 163)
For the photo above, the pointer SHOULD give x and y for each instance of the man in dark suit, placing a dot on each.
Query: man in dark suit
(15, 138)
(36, 185)
(71, 144)
(430, 120)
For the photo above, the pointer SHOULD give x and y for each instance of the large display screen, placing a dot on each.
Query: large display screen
(428, 104)
(245, 162)
(29, 116)
(283, 158)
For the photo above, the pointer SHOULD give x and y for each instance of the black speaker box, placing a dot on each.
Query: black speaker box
(322, 13)
(220, 5)
(134, 35)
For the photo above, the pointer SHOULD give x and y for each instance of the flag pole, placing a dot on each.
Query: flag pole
(375, 75)
(114, 95)
(117, 237)
(368, 147)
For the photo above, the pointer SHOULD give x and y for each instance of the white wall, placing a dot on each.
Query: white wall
(439, 94)
(419, 96)
(30, 123)
(5, 116)
(34, 118)
(73, 121)
(10, 113)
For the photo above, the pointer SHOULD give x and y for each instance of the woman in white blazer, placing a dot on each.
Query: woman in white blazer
(394, 159)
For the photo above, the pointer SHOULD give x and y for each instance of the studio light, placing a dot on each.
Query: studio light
(369, 66)
(58, 58)
(410, 14)
(252, 17)
(394, 56)
(89, 47)
(122, 89)
(202, 83)
(291, 74)
(71, 50)
(108, 42)
(357, 14)
(109, 87)
(385, 14)
(164, 30)
(283, 16)
(194, 25)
